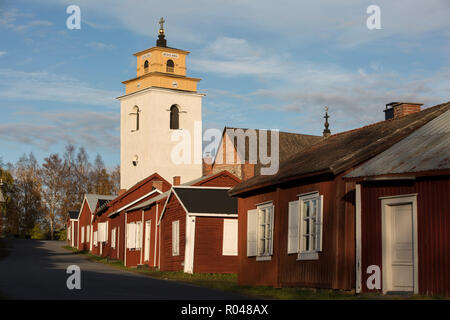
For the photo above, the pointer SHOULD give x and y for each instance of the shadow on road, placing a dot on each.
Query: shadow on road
(36, 269)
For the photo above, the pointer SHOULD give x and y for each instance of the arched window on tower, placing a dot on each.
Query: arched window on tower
(174, 117)
(170, 66)
(146, 66)
(135, 118)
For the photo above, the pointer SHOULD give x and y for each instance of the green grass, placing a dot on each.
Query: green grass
(228, 282)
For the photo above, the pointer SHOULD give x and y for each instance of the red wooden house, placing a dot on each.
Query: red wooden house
(144, 247)
(403, 214)
(110, 218)
(297, 227)
(72, 228)
(198, 227)
(85, 218)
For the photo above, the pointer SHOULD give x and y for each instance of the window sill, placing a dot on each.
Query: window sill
(264, 258)
(308, 256)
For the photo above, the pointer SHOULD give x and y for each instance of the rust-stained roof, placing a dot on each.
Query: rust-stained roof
(344, 150)
(426, 149)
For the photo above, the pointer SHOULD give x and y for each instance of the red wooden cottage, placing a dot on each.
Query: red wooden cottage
(72, 228)
(403, 214)
(144, 241)
(110, 218)
(198, 226)
(85, 218)
(297, 227)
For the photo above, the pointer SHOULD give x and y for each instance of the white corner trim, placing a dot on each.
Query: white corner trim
(263, 258)
(307, 194)
(308, 256)
(358, 238)
(133, 202)
(199, 187)
(399, 196)
(265, 203)
(230, 215)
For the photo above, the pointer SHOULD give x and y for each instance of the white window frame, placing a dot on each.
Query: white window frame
(176, 238)
(265, 221)
(131, 235)
(138, 235)
(82, 234)
(315, 233)
(230, 237)
(88, 234)
(95, 239)
(113, 238)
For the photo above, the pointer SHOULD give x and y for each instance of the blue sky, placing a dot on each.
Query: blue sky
(263, 64)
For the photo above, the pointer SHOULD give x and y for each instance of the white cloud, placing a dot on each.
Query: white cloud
(100, 45)
(9, 18)
(354, 97)
(44, 86)
(44, 129)
(342, 23)
(3, 53)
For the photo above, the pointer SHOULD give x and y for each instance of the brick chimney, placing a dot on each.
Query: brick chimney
(158, 185)
(396, 110)
(176, 180)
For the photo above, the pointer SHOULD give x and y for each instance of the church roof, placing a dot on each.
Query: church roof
(289, 144)
(344, 150)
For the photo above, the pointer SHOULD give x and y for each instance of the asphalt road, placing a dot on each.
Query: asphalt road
(37, 270)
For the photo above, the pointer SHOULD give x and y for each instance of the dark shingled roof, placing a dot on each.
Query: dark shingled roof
(73, 214)
(289, 144)
(206, 200)
(344, 150)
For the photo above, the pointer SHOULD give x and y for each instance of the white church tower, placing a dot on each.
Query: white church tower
(160, 102)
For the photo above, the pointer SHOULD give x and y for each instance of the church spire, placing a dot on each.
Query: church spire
(161, 42)
(326, 131)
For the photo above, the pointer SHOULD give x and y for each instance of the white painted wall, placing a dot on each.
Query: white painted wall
(152, 143)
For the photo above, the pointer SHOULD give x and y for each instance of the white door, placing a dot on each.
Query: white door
(399, 248)
(147, 240)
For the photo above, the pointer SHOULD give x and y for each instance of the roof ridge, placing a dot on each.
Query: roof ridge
(293, 133)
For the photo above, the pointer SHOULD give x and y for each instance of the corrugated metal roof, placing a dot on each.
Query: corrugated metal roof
(148, 202)
(93, 198)
(344, 150)
(426, 149)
